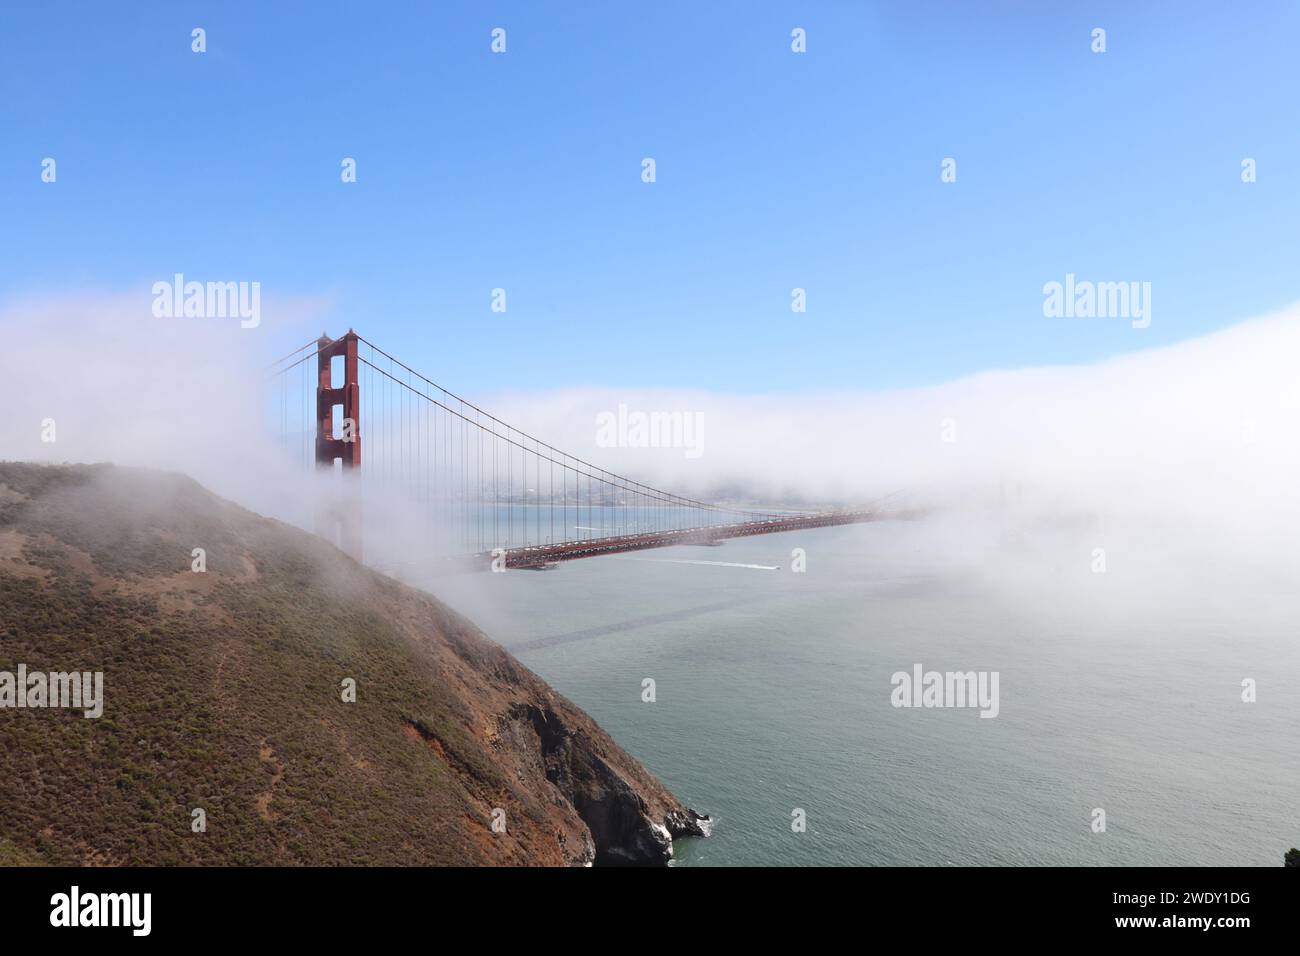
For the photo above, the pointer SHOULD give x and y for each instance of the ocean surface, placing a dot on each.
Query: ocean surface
(773, 694)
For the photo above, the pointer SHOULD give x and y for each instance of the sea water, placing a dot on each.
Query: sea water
(772, 701)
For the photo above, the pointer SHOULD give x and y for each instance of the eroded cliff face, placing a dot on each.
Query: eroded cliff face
(223, 691)
(631, 817)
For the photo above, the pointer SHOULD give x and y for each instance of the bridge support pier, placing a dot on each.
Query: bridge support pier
(338, 516)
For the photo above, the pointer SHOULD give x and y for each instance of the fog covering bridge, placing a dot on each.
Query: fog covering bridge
(489, 493)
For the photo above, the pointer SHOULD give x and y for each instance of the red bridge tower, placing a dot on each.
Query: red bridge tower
(339, 518)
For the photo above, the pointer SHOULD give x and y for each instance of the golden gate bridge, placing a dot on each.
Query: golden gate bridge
(497, 495)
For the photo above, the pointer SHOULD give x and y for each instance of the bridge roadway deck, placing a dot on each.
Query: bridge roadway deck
(542, 555)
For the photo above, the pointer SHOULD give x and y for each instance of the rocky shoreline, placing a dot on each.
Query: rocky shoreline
(631, 821)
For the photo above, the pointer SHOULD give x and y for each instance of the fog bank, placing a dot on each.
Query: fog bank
(1186, 451)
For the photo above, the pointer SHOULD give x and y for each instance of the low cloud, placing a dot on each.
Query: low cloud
(1196, 426)
(1192, 447)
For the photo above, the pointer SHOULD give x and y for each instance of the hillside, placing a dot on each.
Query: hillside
(222, 691)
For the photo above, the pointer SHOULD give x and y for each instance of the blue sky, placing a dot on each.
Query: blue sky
(775, 171)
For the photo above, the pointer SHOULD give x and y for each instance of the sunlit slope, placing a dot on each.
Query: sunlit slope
(224, 692)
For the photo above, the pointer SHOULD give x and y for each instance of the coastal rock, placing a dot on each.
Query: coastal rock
(631, 818)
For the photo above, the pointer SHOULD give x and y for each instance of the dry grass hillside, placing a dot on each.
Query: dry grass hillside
(223, 692)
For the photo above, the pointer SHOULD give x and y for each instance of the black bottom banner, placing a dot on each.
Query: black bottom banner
(336, 905)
